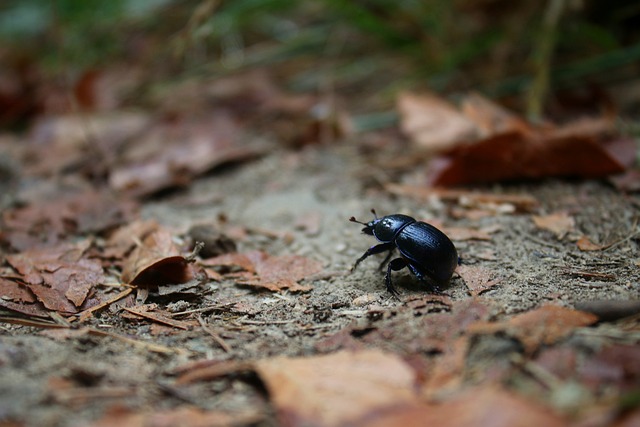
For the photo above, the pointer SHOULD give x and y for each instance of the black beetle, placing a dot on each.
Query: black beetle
(424, 249)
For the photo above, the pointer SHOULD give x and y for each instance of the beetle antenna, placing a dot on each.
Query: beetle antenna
(353, 219)
(373, 211)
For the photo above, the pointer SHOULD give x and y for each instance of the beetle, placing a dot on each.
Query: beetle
(425, 250)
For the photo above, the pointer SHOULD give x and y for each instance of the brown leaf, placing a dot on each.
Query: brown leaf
(559, 223)
(615, 364)
(578, 150)
(58, 143)
(16, 292)
(336, 389)
(491, 118)
(543, 326)
(433, 123)
(61, 277)
(183, 416)
(585, 244)
(157, 262)
(609, 310)
(469, 199)
(477, 279)
(50, 221)
(172, 153)
(274, 273)
(478, 407)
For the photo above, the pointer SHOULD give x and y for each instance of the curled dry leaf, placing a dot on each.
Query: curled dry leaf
(337, 389)
(559, 223)
(157, 261)
(273, 273)
(543, 326)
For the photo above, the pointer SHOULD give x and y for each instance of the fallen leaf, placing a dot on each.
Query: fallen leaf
(183, 416)
(433, 123)
(559, 223)
(465, 233)
(51, 221)
(613, 365)
(157, 261)
(172, 153)
(61, 277)
(477, 279)
(477, 407)
(571, 151)
(585, 244)
(543, 326)
(609, 310)
(63, 142)
(466, 198)
(336, 389)
(274, 273)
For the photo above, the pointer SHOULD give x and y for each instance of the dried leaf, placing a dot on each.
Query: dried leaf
(188, 148)
(271, 272)
(543, 326)
(480, 406)
(477, 279)
(574, 151)
(433, 123)
(49, 222)
(336, 389)
(183, 416)
(61, 277)
(469, 199)
(559, 223)
(157, 262)
(585, 244)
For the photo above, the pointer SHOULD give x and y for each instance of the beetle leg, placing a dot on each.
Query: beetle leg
(385, 261)
(423, 278)
(374, 250)
(395, 265)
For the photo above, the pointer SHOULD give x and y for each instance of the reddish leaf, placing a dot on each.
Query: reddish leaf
(61, 277)
(271, 272)
(486, 143)
(478, 407)
(172, 153)
(432, 123)
(477, 279)
(336, 389)
(58, 143)
(157, 262)
(184, 416)
(585, 244)
(50, 221)
(543, 326)
(559, 223)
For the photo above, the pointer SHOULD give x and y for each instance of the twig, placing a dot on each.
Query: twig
(217, 338)
(83, 316)
(142, 344)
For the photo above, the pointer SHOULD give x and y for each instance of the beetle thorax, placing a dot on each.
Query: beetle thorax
(387, 228)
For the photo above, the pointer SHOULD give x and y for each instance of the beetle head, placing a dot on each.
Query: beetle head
(368, 226)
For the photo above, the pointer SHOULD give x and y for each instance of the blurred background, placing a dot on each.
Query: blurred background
(558, 58)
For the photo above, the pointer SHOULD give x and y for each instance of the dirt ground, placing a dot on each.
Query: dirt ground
(324, 185)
